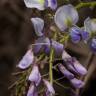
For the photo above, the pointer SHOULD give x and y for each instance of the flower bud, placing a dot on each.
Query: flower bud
(65, 72)
(77, 83)
(73, 65)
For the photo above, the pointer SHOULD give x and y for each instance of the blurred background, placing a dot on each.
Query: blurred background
(16, 33)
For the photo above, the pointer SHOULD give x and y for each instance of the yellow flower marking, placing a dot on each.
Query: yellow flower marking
(68, 21)
(41, 1)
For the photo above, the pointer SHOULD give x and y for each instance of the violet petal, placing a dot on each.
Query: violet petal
(75, 34)
(50, 88)
(58, 48)
(77, 83)
(39, 4)
(38, 25)
(52, 4)
(64, 15)
(27, 60)
(93, 45)
(32, 91)
(73, 65)
(35, 75)
(80, 68)
(65, 72)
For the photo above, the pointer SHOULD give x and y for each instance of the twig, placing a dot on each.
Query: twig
(60, 85)
(86, 4)
(51, 61)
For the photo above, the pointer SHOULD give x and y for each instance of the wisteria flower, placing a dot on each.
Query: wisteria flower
(66, 16)
(93, 44)
(38, 25)
(35, 75)
(78, 34)
(52, 4)
(50, 90)
(73, 64)
(70, 76)
(42, 43)
(58, 48)
(41, 4)
(77, 83)
(45, 44)
(90, 25)
(65, 72)
(27, 60)
(32, 90)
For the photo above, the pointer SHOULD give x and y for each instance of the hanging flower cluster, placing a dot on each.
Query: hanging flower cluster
(65, 19)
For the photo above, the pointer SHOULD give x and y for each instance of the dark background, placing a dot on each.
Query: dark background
(16, 33)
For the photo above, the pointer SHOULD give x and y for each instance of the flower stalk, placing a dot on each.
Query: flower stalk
(86, 4)
(51, 58)
(51, 65)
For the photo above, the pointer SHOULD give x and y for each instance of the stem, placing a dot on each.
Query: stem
(65, 87)
(51, 66)
(86, 4)
(51, 61)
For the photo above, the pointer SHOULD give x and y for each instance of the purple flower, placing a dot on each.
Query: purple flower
(42, 43)
(65, 16)
(27, 60)
(79, 68)
(85, 36)
(65, 56)
(93, 45)
(77, 83)
(41, 4)
(52, 4)
(65, 72)
(50, 90)
(73, 65)
(38, 25)
(32, 91)
(77, 34)
(90, 25)
(58, 48)
(35, 75)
